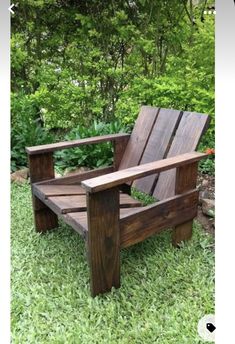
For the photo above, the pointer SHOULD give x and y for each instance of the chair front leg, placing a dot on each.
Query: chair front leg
(186, 179)
(41, 167)
(103, 240)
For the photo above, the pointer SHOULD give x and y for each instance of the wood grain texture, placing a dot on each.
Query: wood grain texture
(69, 204)
(58, 190)
(103, 240)
(79, 220)
(152, 219)
(157, 145)
(139, 137)
(75, 143)
(119, 148)
(117, 178)
(187, 138)
(186, 179)
(78, 177)
(41, 167)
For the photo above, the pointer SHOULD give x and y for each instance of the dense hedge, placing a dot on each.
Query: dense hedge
(75, 62)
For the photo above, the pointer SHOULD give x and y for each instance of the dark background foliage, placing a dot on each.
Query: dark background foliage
(85, 67)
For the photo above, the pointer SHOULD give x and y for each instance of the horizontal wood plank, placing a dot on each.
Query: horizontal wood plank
(116, 178)
(78, 177)
(78, 220)
(74, 143)
(152, 219)
(69, 204)
(137, 224)
(59, 190)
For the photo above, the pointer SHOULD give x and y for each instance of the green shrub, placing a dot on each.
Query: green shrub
(92, 156)
(76, 62)
(208, 165)
(26, 134)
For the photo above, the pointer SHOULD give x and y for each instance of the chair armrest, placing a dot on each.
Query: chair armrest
(122, 176)
(75, 143)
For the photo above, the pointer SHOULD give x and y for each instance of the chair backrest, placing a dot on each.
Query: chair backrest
(158, 134)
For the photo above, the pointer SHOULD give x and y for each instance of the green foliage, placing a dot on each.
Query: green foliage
(26, 128)
(97, 155)
(187, 84)
(146, 199)
(208, 165)
(84, 57)
(74, 62)
(164, 291)
(26, 135)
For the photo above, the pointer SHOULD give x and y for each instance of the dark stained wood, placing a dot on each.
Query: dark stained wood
(78, 177)
(113, 219)
(58, 190)
(139, 137)
(182, 232)
(78, 221)
(103, 240)
(128, 211)
(186, 179)
(44, 218)
(157, 146)
(41, 167)
(119, 148)
(154, 218)
(116, 178)
(187, 137)
(75, 143)
(69, 204)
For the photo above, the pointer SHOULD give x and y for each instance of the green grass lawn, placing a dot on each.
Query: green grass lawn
(164, 291)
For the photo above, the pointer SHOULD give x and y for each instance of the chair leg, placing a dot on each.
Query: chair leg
(186, 179)
(182, 232)
(41, 167)
(103, 240)
(44, 218)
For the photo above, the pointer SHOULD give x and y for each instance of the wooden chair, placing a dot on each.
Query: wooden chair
(158, 158)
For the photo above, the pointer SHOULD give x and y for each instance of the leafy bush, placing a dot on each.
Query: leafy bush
(208, 165)
(26, 134)
(73, 62)
(187, 84)
(31, 133)
(88, 155)
(26, 128)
